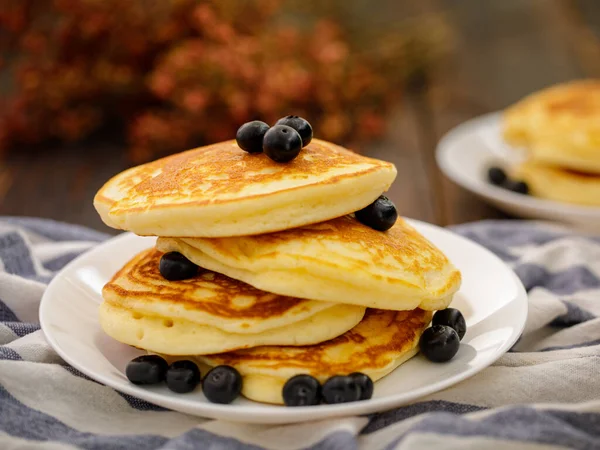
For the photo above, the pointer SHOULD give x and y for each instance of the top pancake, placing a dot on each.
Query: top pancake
(559, 125)
(340, 260)
(221, 190)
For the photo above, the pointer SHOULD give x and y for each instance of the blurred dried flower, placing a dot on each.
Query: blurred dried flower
(176, 73)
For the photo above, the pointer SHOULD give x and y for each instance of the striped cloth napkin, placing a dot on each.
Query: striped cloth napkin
(544, 393)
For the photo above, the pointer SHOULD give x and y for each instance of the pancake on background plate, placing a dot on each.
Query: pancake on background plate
(211, 313)
(377, 345)
(221, 190)
(340, 261)
(559, 125)
(554, 183)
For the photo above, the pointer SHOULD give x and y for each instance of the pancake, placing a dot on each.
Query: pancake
(554, 183)
(377, 345)
(340, 260)
(221, 190)
(211, 313)
(559, 125)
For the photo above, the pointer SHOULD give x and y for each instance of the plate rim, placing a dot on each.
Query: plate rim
(488, 191)
(276, 414)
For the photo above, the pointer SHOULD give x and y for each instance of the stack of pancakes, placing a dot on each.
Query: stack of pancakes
(289, 281)
(560, 129)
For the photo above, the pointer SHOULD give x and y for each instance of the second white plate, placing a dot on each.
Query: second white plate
(465, 153)
(492, 299)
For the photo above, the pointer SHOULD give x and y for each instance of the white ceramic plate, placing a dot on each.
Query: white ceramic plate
(491, 298)
(465, 153)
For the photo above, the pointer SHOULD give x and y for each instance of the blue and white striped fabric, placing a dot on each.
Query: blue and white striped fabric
(544, 393)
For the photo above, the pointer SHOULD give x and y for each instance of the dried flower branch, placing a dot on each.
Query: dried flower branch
(177, 73)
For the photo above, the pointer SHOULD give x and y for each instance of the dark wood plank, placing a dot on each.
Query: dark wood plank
(586, 14)
(504, 50)
(58, 184)
(412, 191)
(580, 30)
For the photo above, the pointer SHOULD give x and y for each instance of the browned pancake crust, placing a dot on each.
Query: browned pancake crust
(223, 170)
(564, 108)
(400, 246)
(142, 271)
(579, 100)
(405, 328)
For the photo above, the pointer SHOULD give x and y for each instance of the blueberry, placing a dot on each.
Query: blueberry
(146, 369)
(364, 383)
(174, 267)
(282, 143)
(380, 215)
(250, 136)
(453, 318)
(341, 389)
(439, 343)
(183, 376)
(497, 176)
(300, 125)
(222, 384)
(520, 187)
(302, 390)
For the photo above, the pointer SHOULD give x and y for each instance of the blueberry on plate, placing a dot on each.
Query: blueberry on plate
(282, 143)
(497, 176)
(183, 376)
(340, 389)
(174, 266)
(364, 383)
(302, 390)
(222, 384)
(380, 215)
(300, 125)
(520, 187)
(250, 136)
(146, 369)
(453, 318)
(439, 343)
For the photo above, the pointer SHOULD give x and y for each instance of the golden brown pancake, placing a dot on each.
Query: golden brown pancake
(377, 345)
(210, 313)
(221, 190)
(340, 260)
(555, 183)
(559, 125)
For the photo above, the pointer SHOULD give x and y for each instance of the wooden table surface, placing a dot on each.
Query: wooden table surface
(504, 50)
